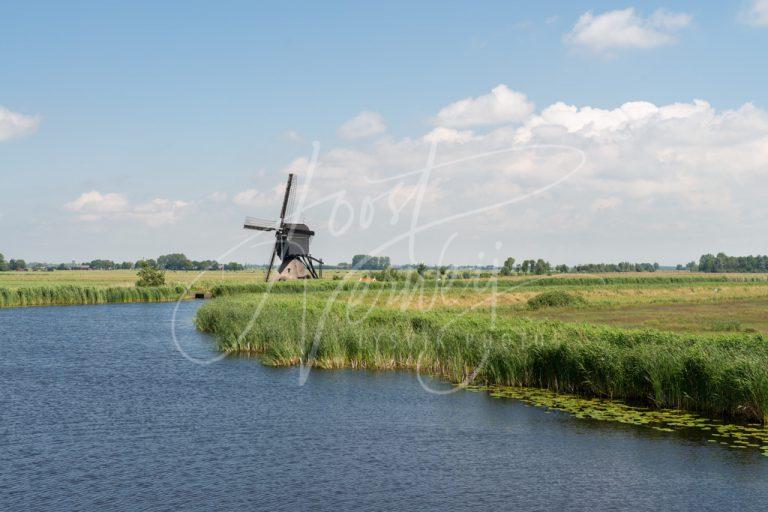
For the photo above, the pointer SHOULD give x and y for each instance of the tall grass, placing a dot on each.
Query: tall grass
(724, 376)
(71, 295)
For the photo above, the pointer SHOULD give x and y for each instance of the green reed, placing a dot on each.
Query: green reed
(72, 295)
(725, 375)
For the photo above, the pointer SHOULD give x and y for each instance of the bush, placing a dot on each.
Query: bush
(554, 299)
(150, 276)
(388, 274)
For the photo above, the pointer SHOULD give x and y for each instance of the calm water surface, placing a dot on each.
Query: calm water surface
(100, 412)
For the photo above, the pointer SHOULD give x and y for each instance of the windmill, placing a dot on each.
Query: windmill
(291, 241)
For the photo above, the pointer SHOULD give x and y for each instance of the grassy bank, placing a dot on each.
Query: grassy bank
(73, 295)
(725, 375)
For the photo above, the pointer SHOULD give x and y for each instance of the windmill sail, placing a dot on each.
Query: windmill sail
(261, 224)
(288, 199)
(289, 211)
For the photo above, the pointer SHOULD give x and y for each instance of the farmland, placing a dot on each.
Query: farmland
(117, 278)
(681, 302)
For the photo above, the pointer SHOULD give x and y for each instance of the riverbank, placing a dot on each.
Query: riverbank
(69, 295)
(723, 375)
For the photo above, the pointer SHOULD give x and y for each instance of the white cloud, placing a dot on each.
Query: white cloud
(502, 105)
(624, 28)
(756, 14)
(449, 135)
(597, 122)
(13, 124)
(658, 171)
(365, 124)
(96, 202)
(253, 197)
(218, 197)
(158, 211)
(94, 206)
(292, 136)
(606, 203)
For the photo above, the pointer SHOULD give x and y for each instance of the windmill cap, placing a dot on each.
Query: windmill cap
(299, 229)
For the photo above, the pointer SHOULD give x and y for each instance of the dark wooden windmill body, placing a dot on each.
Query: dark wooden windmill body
(291, 242)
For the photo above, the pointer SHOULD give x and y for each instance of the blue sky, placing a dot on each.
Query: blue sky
(193, 103)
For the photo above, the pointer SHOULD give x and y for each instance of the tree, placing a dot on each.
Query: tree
(205, 265)
(542, 267)
(126, 265)
(152, 263)
(174, 261)
(508, 267)
(17, 264)
(3, 263)
(421, 269)
(443, 271)
(233, 266)
(366, 262)
(102, 264)
(725, 263)
(563, 269)
(707, 263)
(149, 275)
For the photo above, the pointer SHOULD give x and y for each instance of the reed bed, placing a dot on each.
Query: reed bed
(73, 295)
(723, 376)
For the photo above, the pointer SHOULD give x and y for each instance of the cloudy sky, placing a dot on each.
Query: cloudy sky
(440, 132)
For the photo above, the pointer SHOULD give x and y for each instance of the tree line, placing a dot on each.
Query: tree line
(724, 263)
(12, 264)
(541, 266)
(179, 261)
(174, 261)
(366, 262)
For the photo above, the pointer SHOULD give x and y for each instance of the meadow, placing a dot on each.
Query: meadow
(683, 302)
(697, 343)
(120, 278)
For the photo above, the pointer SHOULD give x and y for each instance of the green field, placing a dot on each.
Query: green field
(682, 302)
(688, 342)
(114, 278)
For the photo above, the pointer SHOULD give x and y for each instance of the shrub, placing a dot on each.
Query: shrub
(388, 274)
(554, 299)
(150, 276)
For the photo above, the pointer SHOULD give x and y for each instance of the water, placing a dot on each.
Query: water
(101, 412)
